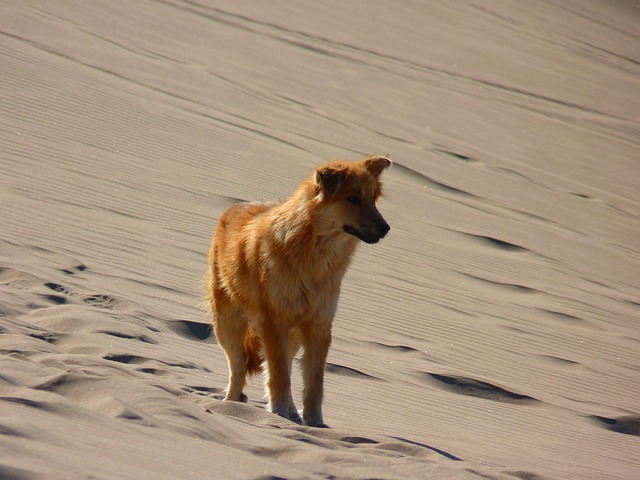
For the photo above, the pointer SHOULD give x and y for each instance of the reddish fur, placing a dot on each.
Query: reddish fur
(254, 358)
(275, 274)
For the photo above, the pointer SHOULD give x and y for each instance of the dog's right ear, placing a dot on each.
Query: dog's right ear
(329, 179)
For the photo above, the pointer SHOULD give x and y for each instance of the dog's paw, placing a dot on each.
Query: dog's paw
(242, 398)
(294, 416)
(316, 425)
(314, 420)
(280, 410)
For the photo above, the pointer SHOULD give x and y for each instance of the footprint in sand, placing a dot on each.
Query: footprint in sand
(74, 270)
(95, 300)
(57, 299)
(100, 301)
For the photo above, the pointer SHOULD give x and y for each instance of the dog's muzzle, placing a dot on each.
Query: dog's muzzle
(374, 235)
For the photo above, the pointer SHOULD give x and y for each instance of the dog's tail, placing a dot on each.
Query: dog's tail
(254, 356)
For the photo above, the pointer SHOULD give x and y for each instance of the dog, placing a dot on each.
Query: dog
(274, 278)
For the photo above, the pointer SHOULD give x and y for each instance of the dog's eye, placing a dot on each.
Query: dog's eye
(354, 199)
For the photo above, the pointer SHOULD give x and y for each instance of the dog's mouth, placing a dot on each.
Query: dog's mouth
(367, 238)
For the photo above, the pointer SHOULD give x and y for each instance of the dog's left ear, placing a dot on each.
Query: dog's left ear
(376, 164)
(329, 179)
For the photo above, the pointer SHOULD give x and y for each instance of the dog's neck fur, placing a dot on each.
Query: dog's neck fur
(320, 240)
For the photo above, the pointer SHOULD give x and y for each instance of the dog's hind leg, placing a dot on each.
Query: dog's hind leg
(230, 330)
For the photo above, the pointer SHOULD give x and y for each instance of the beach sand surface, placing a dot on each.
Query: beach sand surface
(494, 333)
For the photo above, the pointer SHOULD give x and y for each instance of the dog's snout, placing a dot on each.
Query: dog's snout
(383, 228)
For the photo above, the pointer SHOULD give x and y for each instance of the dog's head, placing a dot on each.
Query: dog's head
(353, 190)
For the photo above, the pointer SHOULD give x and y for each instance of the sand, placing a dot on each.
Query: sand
(492, 334)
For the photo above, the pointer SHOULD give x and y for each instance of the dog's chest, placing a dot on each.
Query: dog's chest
(301, 288)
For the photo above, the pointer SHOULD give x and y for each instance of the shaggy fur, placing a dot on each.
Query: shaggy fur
(274, 278)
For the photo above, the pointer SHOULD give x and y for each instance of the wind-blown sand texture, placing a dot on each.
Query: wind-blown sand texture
(492, 334)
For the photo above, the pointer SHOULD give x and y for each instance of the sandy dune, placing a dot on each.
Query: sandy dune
(492, 334)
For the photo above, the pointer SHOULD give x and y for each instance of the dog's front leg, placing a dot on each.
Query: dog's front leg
(316, 342)
(293, 348)
(278, 378)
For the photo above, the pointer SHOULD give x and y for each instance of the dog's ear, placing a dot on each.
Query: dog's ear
(329, 179)
(376, 164)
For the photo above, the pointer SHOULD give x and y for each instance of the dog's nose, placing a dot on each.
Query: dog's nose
(383, 228)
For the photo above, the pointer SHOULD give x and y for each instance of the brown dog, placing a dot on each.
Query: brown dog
(274, 278)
